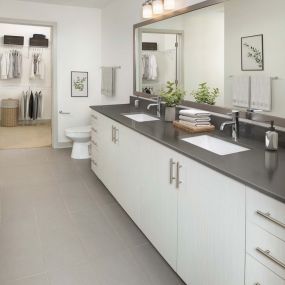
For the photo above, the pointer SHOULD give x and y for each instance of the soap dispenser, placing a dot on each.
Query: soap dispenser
(271, 138)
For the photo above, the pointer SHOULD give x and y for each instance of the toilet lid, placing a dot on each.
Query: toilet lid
(84, 129)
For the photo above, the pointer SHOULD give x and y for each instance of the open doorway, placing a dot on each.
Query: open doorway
(25, 86)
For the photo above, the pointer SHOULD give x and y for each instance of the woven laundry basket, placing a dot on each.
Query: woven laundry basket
(9, 112)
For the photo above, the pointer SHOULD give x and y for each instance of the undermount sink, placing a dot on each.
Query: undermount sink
(141, 117)
(215, 145)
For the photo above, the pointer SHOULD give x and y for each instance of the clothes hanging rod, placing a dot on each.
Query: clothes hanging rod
(272, 77)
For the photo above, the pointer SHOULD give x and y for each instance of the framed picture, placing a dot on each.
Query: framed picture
(252, 55)
(79, 84)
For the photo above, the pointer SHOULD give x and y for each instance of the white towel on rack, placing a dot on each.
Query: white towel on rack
(108, 82)
(241, 91)
(261, 92)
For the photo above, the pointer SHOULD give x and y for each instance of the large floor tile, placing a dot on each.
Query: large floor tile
(41, 279)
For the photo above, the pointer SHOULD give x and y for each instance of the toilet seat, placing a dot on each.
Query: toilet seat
(84, 129)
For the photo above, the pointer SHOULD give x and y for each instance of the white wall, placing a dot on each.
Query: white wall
(252, 17)
(118, 19)
(78, 48)
(13, 88)
(204, 50)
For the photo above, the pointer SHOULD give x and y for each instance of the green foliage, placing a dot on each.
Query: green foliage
(79, 83)
(205, 95)
(173, 95)
(255, 54)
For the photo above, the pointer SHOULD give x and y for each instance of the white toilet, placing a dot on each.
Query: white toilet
(81, 137)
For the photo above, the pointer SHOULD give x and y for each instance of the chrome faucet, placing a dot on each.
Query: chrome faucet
(234, 123)
(158, 105)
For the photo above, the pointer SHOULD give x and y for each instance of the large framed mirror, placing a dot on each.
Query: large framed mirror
(232, 50)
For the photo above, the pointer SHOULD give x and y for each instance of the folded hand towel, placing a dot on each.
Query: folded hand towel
(261, 94)
(186, 123)
(241, 86)
(194, 113)
(195, 120)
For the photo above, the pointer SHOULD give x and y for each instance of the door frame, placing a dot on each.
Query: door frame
(54, 108)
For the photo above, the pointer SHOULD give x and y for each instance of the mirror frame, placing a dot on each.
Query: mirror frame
(258, 117)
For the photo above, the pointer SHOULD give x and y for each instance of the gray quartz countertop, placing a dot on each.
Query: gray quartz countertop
(257, 168)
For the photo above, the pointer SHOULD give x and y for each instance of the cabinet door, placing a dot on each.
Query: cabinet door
(158, 199)
(127, 169)
(211, 228)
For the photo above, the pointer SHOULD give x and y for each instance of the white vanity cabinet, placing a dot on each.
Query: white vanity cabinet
(207, 226)
(159, 197)
(211, 228)
(265, 236)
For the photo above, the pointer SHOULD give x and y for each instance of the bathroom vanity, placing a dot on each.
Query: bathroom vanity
(215, 219)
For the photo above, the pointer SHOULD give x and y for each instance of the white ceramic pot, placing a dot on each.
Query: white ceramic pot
(170, 114)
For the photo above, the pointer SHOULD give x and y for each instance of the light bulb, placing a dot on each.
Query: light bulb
(147, 10)
(169, 4)
(157, 7)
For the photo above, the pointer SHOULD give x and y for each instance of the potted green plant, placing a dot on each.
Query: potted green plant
(205, 95)
(172, 96)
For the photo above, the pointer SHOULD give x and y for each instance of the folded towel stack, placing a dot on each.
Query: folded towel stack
(195, 118)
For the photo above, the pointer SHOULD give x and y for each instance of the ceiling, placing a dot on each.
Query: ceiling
(82, 3)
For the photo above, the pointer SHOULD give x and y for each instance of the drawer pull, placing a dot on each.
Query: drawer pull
(94, 130)
(269, 256)
(268, 217)
(178, 181)
(171, 176)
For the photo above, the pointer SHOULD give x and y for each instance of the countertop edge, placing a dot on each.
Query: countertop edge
(189, 155)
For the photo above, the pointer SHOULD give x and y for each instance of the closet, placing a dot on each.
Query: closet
(25, 86)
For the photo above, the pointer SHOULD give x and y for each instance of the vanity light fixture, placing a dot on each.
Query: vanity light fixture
(157, 7)
(169, 4)
(147, 10)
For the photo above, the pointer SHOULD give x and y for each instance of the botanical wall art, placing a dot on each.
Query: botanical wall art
(252, 56)
(79, 84)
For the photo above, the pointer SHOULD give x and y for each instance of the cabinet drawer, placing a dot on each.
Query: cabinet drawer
(266, 212)
(266, 248)
(258, 274)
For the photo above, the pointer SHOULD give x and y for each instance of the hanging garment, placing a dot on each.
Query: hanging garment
(149, 67)
(11, 66)
(35, 106)
(4, 66)
(37, 67)
(40, 105)
(31, 105)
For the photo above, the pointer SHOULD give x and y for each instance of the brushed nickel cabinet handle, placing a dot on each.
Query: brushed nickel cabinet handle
(171, 177)
(178, 181)
(267, 254)
(113, 130)
(270, 218)
(116, 135)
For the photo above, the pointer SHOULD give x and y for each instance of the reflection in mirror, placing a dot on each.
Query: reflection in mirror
(190, 52)
(234, 49)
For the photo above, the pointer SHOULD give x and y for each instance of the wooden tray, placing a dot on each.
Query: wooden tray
(189, 129)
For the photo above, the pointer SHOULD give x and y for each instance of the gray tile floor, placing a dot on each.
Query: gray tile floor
(60, 226)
